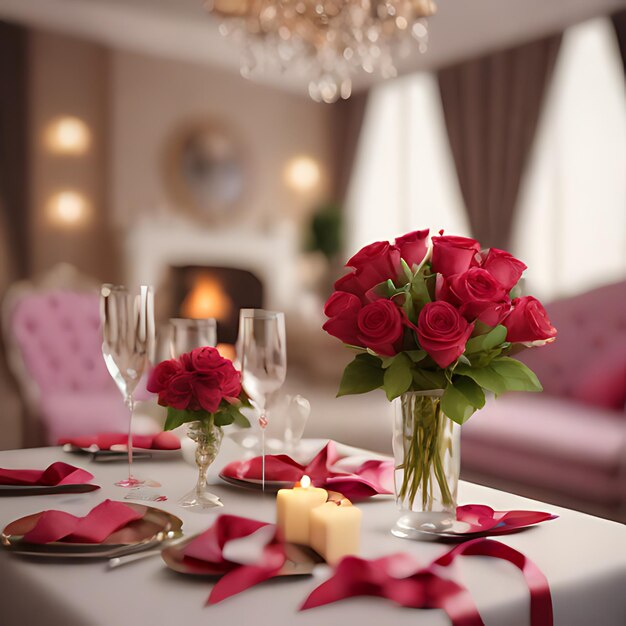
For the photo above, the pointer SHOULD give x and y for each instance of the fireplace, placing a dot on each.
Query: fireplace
(220, 292)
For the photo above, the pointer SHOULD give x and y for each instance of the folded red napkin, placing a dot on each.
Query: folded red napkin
(367, 479)
(205, 554)
(399, 579)
(58, 473)
(95, 527)
(482, 518)
(104, 441)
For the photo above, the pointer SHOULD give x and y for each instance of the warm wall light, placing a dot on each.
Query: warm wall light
(68, 208)
(68, 135)
(302, 173)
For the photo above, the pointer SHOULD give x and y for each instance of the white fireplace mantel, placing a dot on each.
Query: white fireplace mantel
(152, 247)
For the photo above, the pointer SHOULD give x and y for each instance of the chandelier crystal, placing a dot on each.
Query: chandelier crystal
(328, 40)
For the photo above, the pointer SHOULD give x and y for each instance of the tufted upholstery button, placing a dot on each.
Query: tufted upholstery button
(89, 365)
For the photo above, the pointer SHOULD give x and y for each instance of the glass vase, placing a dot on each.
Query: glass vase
(427, 447)
(208, 438)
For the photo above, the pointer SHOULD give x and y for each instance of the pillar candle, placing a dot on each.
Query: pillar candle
(335, 530)
(293, 507)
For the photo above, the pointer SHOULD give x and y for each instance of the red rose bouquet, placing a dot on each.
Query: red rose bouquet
(441, 320)
(200, 385)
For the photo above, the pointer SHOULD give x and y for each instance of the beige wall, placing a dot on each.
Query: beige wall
(70, 77)
(153, 97)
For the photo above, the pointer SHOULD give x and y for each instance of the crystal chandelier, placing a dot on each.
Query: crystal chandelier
(329, 40)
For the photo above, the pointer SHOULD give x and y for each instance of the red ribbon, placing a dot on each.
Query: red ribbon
(482, 518)
(205, 555)
(400, 579)
(103, 520)
(366, 481)
(58, 473)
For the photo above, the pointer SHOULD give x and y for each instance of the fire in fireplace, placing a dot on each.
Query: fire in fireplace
(219, 292)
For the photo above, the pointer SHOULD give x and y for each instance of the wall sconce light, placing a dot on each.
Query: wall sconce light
(68, 208)
(68, 135)
(302, 173)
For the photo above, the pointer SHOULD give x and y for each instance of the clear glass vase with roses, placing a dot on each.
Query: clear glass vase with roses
(434, 324)
(203, 390)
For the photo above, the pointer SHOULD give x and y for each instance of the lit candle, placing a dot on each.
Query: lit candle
(293, 507)
(335, 530)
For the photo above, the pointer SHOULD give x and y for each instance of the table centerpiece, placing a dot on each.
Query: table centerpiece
(434, 324)
(203, 390)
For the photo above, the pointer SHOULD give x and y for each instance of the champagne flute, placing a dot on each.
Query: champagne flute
(263, 356)
(128, 340)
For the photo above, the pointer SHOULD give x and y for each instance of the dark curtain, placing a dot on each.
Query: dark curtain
(619, 22)
(491, 107)
(347, 120)
(13, 144)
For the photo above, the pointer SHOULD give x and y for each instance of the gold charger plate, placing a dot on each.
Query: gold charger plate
(154, 527)
(300, 561)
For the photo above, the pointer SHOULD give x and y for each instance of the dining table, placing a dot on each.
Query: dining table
(583, 558)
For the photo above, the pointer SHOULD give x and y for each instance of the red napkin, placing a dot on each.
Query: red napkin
(95, 527)
(58, 473)
(104, 441)
(366, 481)
(482, 518)
(205, 555)
(399, 579)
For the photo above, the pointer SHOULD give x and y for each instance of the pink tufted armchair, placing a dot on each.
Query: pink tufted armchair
(569, 442)
(53, 338)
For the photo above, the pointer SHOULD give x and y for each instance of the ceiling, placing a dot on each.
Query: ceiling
(181, 29)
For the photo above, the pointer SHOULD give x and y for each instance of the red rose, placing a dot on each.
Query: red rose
(380, 326)
(342, 308)
(207, 359)
(208, 391)
(504, 267)
(413, 246)
(231, 381)
(179, 392)
(374, 264)
(453, 255)
(442, 332)
(528, 322)
(162, 374)
(479, 296)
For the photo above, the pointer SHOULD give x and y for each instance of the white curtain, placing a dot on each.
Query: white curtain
(571, 217)
(404, 177)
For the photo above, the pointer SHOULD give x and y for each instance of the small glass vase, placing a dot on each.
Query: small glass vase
(208, 438)
(427, 453)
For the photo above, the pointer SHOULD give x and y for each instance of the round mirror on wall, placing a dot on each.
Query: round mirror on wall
(205, 172)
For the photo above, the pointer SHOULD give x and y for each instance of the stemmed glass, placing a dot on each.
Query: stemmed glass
(127, 343)
(187, 334)
(263, 356)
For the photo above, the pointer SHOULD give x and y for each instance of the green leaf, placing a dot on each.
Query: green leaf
(407, 270)
(471, 390)
(230, 413)
(426, 380)
(486, 377)
(178, 417)
(416, 355)
(398, 377)
(419, 290)
(456, 405)
(493, 338)
(518, 376)
(464, 360)
(363, 374)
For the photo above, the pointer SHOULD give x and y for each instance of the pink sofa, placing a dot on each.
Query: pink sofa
(567, 444)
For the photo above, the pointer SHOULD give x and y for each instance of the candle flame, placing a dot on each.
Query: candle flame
(305, 482)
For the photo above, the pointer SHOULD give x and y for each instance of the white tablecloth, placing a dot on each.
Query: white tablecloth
(584, 559)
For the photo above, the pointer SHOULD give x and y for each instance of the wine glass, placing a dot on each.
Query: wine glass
(127, 343)
(263, 356)
(188, 334)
